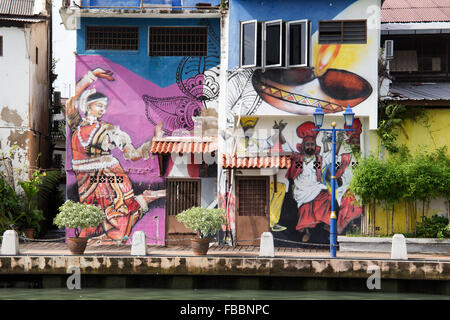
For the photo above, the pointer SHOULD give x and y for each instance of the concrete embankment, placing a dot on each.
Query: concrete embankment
(230, 266)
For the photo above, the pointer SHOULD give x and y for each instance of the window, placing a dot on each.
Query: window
(297, 43)
(112, 38)
(348, 31)
(37, 55)
(253, 194)
(1, 46)
(419, 58)
(182, 194)
(272, 43)
(281, 44)
(178, 41)
(250, 45)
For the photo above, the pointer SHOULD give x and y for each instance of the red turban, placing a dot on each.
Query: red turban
(305, 131)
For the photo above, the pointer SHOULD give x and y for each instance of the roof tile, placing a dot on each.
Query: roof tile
(183, 147)
(256, 162)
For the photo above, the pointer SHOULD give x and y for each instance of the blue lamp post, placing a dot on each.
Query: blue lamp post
(318, 121)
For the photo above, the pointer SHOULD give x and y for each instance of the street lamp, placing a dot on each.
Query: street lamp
(318, 121)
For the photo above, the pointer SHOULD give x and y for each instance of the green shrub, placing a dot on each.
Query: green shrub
(205, 222)
(9, 205)
(78, 216)
(434, 227)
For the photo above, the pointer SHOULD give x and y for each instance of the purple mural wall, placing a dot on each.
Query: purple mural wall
(111, 121)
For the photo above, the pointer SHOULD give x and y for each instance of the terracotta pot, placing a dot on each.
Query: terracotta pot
(29, 233)
(200, 246)
(77, 245)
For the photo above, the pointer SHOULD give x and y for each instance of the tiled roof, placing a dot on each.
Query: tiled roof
(183, 146)
(17, 7)
(270, 161)
(415, 11)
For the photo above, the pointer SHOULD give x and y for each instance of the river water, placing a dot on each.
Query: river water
(204, 294)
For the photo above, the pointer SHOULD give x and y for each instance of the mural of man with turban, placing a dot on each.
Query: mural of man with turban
(312, 198)
(101, 179)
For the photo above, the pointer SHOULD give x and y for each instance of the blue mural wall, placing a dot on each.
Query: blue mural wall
(278, 9)
(337, 75)
(137, 3)
(156, 69)
(120, 98)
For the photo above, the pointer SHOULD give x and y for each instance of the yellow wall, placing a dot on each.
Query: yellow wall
(428, 133)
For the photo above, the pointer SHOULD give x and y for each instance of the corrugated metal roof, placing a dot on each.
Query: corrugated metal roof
(256, 162)
(415, 11)
(25, 19)
(17, 7)
(420, 91)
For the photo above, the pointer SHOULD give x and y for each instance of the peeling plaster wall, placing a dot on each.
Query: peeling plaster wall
(24, 96)
(15, 92)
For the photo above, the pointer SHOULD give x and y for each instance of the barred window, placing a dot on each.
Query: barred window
(182, 194)
(346, 31)
(178, 41)
(112, 38)
(253, 196)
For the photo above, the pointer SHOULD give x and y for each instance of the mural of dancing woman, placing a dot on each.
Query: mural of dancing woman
(100, 177)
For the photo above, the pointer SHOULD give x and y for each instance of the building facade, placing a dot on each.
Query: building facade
(415, 38)
(24, 82)
(181, 104)
(286, 58)
(151, 71)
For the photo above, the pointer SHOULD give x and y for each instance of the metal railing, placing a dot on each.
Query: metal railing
(142, 6)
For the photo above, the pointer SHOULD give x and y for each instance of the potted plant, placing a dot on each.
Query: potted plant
(78, 216)
(30, 215)
(29, 222)
(206, 222)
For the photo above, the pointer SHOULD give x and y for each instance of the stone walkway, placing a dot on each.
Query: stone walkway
(60, 248)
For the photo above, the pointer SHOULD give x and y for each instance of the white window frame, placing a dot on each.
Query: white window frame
(264, 42)
(307, 42)
(241, 43)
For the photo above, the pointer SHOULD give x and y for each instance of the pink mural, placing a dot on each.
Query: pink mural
(111, 119)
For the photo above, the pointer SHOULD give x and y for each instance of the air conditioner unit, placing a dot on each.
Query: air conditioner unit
(389, 49)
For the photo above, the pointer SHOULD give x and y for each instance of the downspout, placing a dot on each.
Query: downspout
(222, 112)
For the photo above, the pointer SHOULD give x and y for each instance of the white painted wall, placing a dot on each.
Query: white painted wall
(64, 44)
(15, 93)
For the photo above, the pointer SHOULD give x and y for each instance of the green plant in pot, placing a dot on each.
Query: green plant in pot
(78, 216)
(206, 222)
(30, 215)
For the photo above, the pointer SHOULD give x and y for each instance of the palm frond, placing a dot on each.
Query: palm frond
(49, 185)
